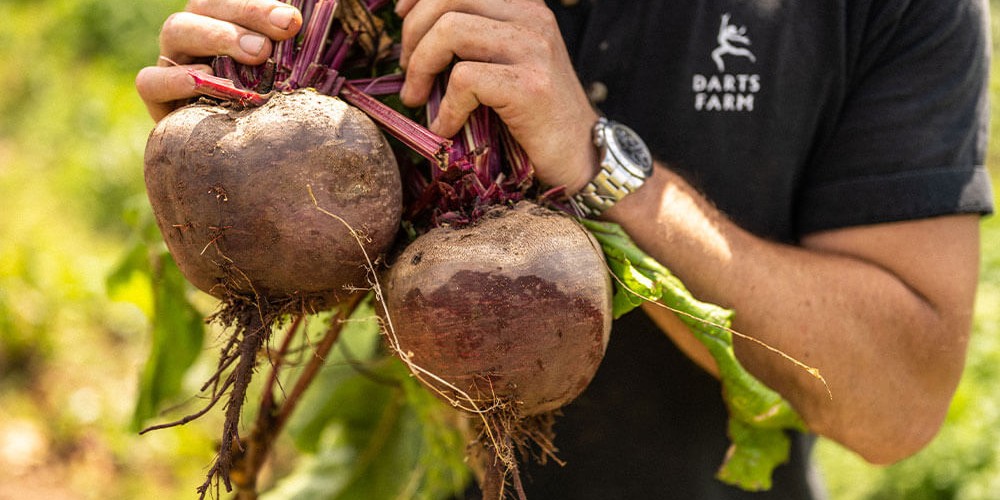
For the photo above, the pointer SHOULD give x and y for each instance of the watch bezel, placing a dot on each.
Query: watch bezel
(641, 167)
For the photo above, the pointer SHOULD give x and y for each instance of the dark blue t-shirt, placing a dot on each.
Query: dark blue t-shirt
(791, 117)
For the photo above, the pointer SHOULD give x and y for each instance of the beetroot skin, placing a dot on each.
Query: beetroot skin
(515, 308)
(231, 193)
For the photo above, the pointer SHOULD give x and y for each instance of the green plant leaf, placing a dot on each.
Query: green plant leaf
(178, 333)
(753, 454)
(129, 280)
(147, 276)
(356, 348)
(757, 414)
(386, 438)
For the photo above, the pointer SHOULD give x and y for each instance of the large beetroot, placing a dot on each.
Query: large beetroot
(513, 310)
(231, 192)
(277, 200)
(236, 194)
(506, 318)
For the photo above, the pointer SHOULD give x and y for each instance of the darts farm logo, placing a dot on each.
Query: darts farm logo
(727, 91)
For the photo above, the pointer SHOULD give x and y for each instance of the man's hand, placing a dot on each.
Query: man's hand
(511, 57)
(242, 29)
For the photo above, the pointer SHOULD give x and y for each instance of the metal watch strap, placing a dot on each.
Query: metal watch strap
(603, 191)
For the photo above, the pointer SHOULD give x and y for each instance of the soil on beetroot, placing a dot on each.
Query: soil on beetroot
(502, 337)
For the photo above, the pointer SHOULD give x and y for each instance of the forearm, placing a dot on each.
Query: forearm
(890, 355)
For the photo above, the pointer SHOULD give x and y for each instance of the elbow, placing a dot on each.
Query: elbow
(907, 413)
(897, 422)
(891, 434)
(899, 445)
(893, 440)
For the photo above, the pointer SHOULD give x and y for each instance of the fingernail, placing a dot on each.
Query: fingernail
(252, 44)
(281, 17)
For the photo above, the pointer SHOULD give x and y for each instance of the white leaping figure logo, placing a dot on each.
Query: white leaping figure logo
(727, 35)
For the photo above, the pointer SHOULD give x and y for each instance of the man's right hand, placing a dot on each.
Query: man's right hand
(511, 57)
(241, 29)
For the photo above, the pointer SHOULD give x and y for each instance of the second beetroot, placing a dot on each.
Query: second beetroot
(512, 310)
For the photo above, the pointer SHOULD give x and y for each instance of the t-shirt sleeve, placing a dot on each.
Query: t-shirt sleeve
(910, 139)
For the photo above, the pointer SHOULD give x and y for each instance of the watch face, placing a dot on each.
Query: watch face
(628, 146)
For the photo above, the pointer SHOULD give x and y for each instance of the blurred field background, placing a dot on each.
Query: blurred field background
(72, 133)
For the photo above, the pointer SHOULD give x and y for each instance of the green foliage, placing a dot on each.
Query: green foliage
(148, 277)
(69, 102)
(72, 131)
(369, 430)
(386, 439)
(107, 30)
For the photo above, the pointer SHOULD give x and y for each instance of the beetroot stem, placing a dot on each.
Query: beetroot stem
(224, 88)
(380, 85)
(312, 44)
(337, 43)
(435, 148)
(340, 54)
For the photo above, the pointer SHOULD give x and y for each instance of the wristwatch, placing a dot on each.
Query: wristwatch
(625, 164)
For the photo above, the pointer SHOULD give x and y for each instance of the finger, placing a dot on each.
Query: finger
(469, 85)
(271, 18)
(186, 36)
(163, 89)
(403, 7)
(460, 35)
(422, 17)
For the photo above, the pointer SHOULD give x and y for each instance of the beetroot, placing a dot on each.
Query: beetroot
(515, 308)
(231, 192)
(243, 199)
(507, 318)
(277, 200)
